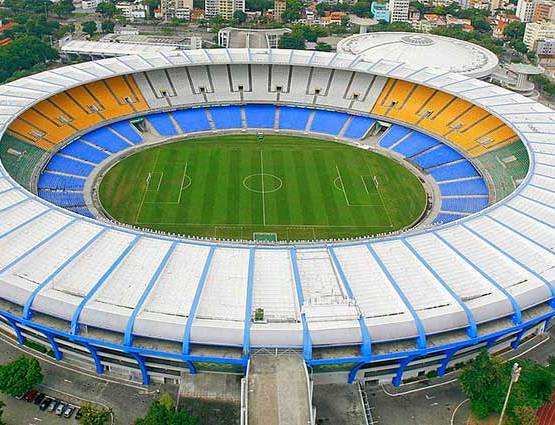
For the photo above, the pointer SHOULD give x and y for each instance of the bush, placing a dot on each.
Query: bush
(20, 376)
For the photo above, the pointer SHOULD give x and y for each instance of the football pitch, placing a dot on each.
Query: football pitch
(283, 187)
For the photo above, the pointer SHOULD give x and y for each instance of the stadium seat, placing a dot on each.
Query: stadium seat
(83, 211)
(105, 139)
(192, 120)
(125, 129)
(465, 205)
(59, 182)
(162, 123)
(260, 116)
(69, 166)
(443, 218)
(454, 171)
(63, 199)
(358, 127)
(437, 156)
(81, 150)
(292, 118)
(226, 116)
(328, 122)
(393, 135)
(414, 144)
(466, 187)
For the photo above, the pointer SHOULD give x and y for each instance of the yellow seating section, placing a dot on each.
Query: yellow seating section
(456, 120)
(63, 115)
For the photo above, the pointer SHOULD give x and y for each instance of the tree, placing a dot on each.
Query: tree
(515, 30)
(239, 16)
(362, 9)
(20, 376)
(93, 416)
(323, 47)
(525, 415)
(163, 411)
(293, 40)
(107, 26)
(64, 8)
(89, 27)
(292, 10)
(107, 9)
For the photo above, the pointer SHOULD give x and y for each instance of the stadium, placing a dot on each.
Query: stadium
(424, 271)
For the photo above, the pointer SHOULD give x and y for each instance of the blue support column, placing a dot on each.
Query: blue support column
(516, 343)
(58, 355)
(472, 330)
(94, 354)
(192, 368)
(248, 305)
(128, 334)
(27, 308)
(96, 287)
(517, 313)
(547, 283)
(421, 339)
(18, 334)
(366, 346)
(194, 306)
(445, 362)
(401, 370)
(307, 340)
(37, 246)
(142, 366)
(353, 372)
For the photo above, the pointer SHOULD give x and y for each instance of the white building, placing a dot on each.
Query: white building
(546, 47)
(90, 4)
(133, 11)
(224, 8)
(180, 9)
(398, 10)
(536, 31)
(525, 10)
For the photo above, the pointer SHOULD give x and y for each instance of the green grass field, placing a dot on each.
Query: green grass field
(234, 187)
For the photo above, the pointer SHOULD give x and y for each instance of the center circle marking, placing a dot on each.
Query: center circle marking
(253, 182)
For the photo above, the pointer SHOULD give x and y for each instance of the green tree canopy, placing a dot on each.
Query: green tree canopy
(515, 30)
(292, 10)
(20, 376)
(294, 40)
(239, 17)
(64, 8)
(107, 9)
(362, 8)
(107, 26)
(89, 27)
(163, 412)
(24, 53)
(93, 416)
(323, 47)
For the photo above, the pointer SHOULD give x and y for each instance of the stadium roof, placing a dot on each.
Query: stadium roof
(425, 50)
(99, 48)
(501, 260)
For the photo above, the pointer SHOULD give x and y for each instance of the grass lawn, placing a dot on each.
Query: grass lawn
(284, 187)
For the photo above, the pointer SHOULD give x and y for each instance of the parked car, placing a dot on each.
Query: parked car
(31, 395)
(68, 411)
(52, 405)
(45, 403)
(39, 398)
(79, 414)
(60, 408)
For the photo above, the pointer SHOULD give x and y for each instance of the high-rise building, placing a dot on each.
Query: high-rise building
(536, 31)
(544, 10)
(224, 8)
(180, 9)
(398, 10)
(279, 8)
(525, 10)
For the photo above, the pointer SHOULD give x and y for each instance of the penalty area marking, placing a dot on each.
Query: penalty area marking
(338, 183)
(185, 183)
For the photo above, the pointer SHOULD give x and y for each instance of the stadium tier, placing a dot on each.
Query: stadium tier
(152, 306)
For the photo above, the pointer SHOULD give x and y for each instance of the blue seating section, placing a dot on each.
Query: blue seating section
(163, 124)
(63, 199)
(328, 122)
(59, 182)
(191, 120)
(466, 187)
(69, 166)
(393, 135)
(442, 218)
(260, 116)
(358, 127)
(125, 129)
(464, 205)
(291, 118)
(82, 210)
(440, 155)
(454, 171)
(414, 144)
(81, 150)
(226, 116)
(106, 140)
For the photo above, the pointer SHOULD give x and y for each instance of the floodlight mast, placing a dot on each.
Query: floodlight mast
(515, 375)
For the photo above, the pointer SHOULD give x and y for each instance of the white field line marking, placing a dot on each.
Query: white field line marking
(182, 182)
(364, 183)
(263, 194)
(380, 194)
(270, 225)
(160, 181)
(342, 186)
(146, 188)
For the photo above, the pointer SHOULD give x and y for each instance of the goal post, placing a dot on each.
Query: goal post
(260, 136)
